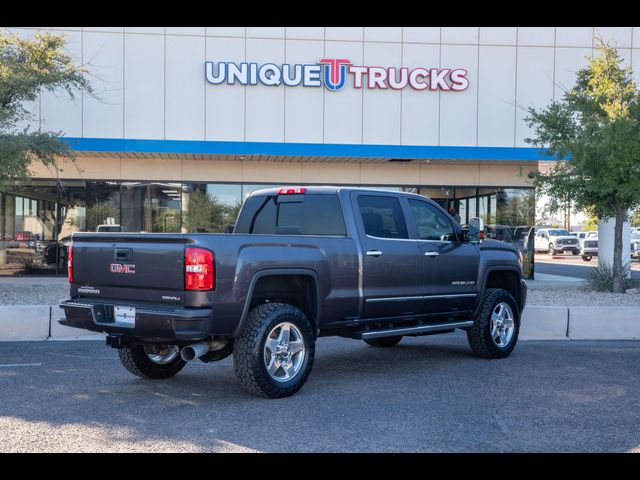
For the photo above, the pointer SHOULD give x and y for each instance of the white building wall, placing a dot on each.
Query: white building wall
(144, 106)
(150, 84)
(103, 112)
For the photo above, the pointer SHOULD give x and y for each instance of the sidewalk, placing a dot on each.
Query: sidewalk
(545, 280)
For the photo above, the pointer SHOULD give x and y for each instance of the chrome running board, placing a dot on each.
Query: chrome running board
(392, 332)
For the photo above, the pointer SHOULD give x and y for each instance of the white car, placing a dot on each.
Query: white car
(635, 245)
(582, 236)
(589, 247)
(556, 240)
(109, 228)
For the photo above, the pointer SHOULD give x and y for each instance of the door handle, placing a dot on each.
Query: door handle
(374, 253)
(431, 254)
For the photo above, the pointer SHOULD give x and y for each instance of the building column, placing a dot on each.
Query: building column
(606, 236)
(184, 205)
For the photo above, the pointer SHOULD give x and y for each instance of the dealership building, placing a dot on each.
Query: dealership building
(194, 118)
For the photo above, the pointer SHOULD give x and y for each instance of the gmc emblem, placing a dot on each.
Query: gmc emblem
(120, 268)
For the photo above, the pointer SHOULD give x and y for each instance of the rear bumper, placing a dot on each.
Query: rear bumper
(152, 324)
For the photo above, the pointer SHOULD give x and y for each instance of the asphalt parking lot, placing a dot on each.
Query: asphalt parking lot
(427, 394)
(573, 266)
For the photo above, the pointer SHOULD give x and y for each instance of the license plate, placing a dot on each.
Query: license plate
(125, 316)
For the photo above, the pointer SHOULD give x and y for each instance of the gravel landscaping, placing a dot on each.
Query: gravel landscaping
(580, 297)
(26, 291)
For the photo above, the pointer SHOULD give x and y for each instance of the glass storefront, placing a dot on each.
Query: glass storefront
(37, 220)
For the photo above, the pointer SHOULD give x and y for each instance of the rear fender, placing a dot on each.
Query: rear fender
(279, 272)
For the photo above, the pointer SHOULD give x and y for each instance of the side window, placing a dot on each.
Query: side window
(382, 216)
(431, 224)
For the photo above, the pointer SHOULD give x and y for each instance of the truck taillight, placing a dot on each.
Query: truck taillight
(70, 263)
(291, 190)
(199, 269)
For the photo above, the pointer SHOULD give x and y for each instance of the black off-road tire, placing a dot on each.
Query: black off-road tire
(479, 335)
(587, 258)
(552, 249)
(384, 341)
(136, 361)
(248, 350)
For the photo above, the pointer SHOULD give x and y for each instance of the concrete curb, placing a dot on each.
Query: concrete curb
(580, 323)
(40, 322)
(24, 322)
(544, 323)
(604, 323)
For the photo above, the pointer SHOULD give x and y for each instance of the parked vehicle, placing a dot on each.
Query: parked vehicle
(109, 228)
(589, 247)
(303, 262)
(22, 240)
(498, 232)
(635, 245)
(582, 236)
(556, 240)
(62, 249)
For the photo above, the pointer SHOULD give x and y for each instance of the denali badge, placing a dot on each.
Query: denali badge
(120, 268)
(88, 289)
(169, 297)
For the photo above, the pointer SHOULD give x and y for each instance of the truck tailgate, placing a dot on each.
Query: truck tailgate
(107, 265)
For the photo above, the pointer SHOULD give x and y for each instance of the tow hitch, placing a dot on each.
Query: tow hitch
(117, 340)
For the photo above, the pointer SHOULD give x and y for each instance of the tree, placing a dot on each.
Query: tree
(167, 221)
(26, 68)
(206, 214)
(595, 130)
(98, 213)
(591, 223)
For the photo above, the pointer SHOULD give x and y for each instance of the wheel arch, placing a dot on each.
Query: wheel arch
(505, 277)
(310, 306)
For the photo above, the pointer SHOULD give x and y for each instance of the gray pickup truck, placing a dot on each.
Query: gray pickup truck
(302, 262)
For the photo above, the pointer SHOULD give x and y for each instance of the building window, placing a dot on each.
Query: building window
(210, 208)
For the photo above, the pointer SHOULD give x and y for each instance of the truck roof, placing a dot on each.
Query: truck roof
(329, 189)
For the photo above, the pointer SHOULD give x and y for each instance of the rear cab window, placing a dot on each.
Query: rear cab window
(303, 214)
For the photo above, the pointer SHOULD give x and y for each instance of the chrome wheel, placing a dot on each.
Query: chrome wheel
(161, 354)
(284, 352)
(502, 324)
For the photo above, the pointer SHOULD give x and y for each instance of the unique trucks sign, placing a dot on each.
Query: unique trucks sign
(332, 72)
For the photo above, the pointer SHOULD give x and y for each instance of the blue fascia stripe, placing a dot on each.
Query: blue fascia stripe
(305, 149)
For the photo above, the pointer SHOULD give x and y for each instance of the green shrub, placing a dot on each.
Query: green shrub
(600, 278)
